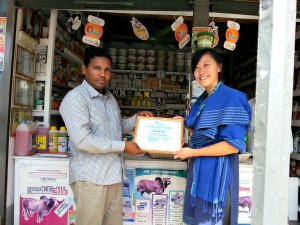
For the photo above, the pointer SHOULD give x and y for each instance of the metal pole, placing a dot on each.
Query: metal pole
(272, 142)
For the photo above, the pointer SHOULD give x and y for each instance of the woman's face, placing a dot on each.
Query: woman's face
(207, 72)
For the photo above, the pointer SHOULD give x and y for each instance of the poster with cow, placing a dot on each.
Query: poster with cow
(159, 188)
(45, 195)
(245, 194)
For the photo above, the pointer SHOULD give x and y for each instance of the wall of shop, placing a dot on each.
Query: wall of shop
(5, 80)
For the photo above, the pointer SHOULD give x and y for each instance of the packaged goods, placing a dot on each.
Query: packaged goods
(53, 139)
(42, 137)
(63, 139)
(23, 140)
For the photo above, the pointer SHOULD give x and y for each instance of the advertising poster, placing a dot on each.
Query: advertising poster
(45, 195)
(245, 194)
(158, 196)
(2, 41)
(128, 190)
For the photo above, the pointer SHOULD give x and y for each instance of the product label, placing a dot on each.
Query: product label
(33, 141)
(62, 144)
(41, 142)
(29, 142)
(53, 142)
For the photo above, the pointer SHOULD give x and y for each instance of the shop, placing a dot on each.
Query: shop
(142, 87)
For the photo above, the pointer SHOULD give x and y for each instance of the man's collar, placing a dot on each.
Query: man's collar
(93, 92)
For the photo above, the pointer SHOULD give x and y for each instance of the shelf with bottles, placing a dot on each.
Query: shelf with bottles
(151, 72)
(40, 113)
(296, 123)
(64, 52)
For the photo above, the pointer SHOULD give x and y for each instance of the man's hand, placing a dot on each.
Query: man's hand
(132, 148)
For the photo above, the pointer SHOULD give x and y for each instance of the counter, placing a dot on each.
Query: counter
(46, 179)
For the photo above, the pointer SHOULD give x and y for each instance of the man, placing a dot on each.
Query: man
(93, 119)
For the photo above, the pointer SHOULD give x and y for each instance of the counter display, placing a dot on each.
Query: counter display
(153, 192)
(42, 191)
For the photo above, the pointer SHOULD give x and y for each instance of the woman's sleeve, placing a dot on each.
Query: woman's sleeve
(235, 136)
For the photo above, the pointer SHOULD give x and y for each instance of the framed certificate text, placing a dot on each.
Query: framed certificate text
(159, 135)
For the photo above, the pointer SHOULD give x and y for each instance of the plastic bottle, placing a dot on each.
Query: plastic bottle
(63, 139)
(33, 129)
(23, 140)
(42, 137)
(53, 139)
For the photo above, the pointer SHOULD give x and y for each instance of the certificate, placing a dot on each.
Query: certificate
(159, 135)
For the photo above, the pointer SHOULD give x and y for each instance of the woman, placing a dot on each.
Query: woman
(219, 119)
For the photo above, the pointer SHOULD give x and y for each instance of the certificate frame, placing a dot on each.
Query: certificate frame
(159, 135)
(23, 92)
(17, 115)
(25, 62)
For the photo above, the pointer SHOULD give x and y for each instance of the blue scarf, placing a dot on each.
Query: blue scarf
(225, 106)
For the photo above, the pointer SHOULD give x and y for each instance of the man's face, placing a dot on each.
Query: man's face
(98, 73)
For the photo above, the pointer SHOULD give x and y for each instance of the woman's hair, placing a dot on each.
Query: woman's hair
(198, 55)
(93, 52)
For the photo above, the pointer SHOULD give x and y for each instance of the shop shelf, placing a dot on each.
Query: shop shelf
(37, 113)
(297, 64)
(55, 112)
(146, 72)
(297, 36)
(136, 107)
(69, 56)
(245, 63)
(40, 113)
(246, 83)
(296, 93)
(296, 123)
(40, 77)
(133, 71)
(295, 155)
(72, 84)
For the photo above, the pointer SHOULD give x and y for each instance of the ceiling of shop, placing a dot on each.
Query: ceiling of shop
(118, 25)
(249, 7)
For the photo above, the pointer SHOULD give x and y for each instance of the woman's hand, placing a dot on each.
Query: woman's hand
(178, 117)
(145, 113)
(184, 153)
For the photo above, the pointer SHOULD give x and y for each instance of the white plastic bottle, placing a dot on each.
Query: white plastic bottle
(23, 140)
(53, 139)
(62, 140)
